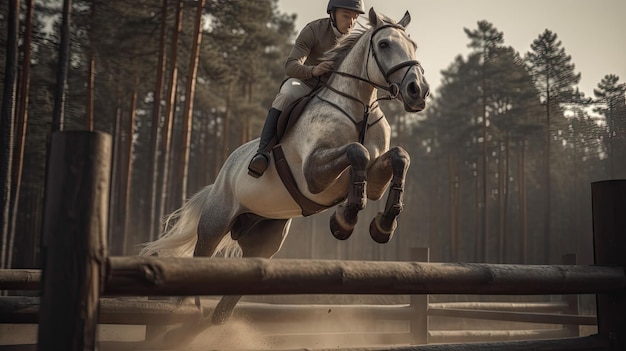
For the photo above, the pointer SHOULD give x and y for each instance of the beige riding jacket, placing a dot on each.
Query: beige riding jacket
(314, 40)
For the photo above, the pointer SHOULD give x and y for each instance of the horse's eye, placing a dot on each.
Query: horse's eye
(383, 45)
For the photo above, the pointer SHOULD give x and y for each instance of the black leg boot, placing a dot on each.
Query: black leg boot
(261, 160)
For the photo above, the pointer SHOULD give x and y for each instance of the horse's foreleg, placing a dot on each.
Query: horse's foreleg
(343, 221)
(383, 226)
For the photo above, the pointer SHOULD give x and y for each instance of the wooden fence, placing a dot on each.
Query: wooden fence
(77, 270)
(360, 325)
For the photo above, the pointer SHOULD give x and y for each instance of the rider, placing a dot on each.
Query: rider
(305, 68)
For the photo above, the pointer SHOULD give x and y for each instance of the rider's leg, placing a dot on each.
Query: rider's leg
(261, 160)
(290, 91)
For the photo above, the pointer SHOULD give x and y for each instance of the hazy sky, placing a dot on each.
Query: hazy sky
(593, 32)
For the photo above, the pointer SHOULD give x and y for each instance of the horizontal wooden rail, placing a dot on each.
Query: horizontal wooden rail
(151, 276)
(556, 306)
(215, 276)
(466, 336)
(22, 309)
(20, 279)
(524, 317)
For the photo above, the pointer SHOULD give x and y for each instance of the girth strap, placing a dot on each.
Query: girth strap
(308, 207)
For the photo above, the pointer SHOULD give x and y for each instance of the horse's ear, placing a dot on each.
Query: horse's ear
(374, 19)
(405, 20)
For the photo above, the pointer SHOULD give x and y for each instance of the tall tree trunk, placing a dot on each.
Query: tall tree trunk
(170, 110)
(191, 92)
(453, 181)
(247, 128)
(522, 202)
(485, 175)
(62, 68)
(501, 193)
(612, 135)
(548, 197)
(129, 241)
(226, 130)
(91, 72)
(477, 216)
(22, 122)
(156, 128)
(7, 124)
(115, 223)
(507, 192)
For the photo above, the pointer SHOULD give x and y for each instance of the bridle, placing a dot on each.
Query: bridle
(393, 88)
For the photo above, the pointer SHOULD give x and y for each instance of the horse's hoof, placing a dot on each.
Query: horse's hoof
(377, 233)
(337, 230)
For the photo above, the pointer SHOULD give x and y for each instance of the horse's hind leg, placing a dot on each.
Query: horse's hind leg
(213, 225)
(264, 240)
(383, 226)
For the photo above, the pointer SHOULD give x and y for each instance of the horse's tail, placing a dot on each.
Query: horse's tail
(180, 232)
(179, 229)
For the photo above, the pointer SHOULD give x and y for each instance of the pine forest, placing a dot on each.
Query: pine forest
(502, 159)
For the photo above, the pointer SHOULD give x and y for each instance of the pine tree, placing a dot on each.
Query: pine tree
(481, 115)
(486, 40)
(611, 95)
(554, 76)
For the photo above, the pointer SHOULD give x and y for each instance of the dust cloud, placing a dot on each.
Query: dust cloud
(313, 327)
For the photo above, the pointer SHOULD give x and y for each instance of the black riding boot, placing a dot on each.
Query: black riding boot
(261, 160)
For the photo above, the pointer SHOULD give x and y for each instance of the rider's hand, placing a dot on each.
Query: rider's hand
(322, 68)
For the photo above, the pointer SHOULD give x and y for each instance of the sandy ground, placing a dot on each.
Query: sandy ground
(236, 335)
(345, 331)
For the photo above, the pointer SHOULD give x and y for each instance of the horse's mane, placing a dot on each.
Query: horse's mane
(337, 54)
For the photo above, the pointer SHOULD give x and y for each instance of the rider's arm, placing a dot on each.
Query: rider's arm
(310, 47)
(295, 66)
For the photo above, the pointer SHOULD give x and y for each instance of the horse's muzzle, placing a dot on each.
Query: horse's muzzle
(414, 92)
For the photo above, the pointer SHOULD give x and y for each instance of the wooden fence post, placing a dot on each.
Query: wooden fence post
(571, 300)
(609, 239)
(74, 239)
(419, 303)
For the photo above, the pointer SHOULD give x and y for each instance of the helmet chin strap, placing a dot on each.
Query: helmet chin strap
(338, 33)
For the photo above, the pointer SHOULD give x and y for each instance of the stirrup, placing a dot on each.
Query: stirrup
(259, 164)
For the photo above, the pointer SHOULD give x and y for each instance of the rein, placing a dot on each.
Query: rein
(392, 88)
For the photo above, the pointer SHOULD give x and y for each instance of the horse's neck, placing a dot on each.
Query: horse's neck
(355, 63)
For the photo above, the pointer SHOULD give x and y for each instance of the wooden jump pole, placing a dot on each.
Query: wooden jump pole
(74, 240)
(175, 276)
(609, 241)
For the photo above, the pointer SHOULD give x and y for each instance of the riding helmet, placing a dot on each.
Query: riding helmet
(354, 5)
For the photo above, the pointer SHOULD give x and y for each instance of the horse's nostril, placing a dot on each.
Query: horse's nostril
(413, 90)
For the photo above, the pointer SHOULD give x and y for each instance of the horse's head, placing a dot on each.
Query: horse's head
(396, 65)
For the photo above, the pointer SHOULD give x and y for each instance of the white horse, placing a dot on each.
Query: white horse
(338, 154)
